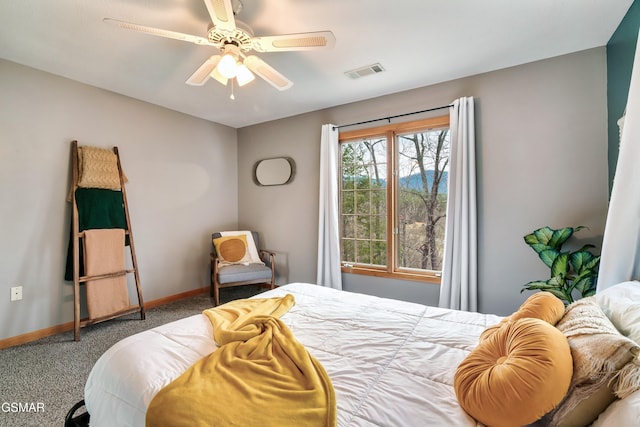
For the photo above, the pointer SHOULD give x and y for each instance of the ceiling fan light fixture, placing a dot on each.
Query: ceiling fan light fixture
(219, 77)
(228, 66)
(244, 76)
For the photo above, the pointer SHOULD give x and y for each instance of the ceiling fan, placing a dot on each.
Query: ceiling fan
(234, 39)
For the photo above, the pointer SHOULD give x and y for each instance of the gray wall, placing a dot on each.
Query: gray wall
(542, 160)
(541, 132)
(182, 185)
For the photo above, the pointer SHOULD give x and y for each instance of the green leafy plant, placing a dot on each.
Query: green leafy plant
(570, 271)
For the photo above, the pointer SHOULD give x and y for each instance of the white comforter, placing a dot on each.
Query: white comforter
(391, 362)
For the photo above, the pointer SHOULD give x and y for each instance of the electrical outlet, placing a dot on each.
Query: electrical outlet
(16, 293)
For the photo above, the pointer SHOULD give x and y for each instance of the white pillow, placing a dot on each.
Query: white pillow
(624, 412)
(621, 304)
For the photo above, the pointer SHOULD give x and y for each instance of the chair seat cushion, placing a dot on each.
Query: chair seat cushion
(241, 273)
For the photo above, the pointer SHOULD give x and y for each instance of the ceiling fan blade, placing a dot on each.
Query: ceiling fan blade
(221, 12)
(203, 73)
(158, 32)
(300, 41)
(267, 72)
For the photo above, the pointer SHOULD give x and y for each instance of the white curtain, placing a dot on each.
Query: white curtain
(620, 260)
(329, 273)
(459, 288)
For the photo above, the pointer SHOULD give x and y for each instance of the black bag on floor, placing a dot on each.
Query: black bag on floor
(72, 420)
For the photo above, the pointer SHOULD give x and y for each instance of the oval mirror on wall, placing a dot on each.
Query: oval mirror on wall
(276, 171)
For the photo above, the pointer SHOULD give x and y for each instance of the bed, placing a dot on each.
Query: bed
(392, 363)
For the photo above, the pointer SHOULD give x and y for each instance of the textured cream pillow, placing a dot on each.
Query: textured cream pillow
(98, 168)
(604, 364)
(516, 375)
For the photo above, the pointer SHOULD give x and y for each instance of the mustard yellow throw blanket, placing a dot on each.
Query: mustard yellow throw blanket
(260, 376)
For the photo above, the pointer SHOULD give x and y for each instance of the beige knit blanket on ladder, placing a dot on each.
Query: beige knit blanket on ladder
(104, 253)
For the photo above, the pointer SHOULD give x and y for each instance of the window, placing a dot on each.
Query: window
(393, 199)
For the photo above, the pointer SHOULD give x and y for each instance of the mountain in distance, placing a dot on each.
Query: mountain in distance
(411, 182)
(414, 181)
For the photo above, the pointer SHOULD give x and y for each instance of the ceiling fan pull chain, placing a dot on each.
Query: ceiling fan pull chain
(232, 95)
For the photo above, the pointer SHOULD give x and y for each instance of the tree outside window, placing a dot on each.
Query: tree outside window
(394, 199)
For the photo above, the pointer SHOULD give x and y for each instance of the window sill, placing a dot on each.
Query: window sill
(398, 275)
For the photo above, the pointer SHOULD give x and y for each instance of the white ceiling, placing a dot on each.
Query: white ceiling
(418, 42)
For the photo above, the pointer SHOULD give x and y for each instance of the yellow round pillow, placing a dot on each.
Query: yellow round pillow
(516, 375)
(541, 305)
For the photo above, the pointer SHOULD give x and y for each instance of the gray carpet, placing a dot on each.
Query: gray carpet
(50, 373)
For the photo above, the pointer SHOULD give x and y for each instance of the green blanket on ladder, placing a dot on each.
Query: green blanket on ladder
(97, 209)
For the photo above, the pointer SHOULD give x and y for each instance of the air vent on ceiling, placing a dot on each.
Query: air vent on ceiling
(365, 71)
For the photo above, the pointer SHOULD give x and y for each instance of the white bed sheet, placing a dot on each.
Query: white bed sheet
(391, 362)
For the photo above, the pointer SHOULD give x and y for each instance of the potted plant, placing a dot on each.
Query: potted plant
(570, 271)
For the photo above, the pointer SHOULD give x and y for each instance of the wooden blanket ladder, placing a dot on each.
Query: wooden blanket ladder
(78, 238)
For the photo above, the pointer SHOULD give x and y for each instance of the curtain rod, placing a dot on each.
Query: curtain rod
(394, 117)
